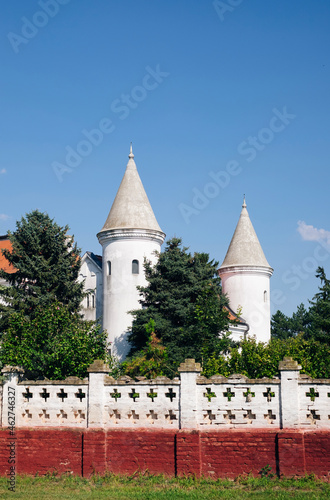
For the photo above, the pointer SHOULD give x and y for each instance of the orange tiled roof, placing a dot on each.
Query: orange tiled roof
(4, 264)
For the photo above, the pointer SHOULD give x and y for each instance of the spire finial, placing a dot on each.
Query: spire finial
(130, 156)
(244, 204)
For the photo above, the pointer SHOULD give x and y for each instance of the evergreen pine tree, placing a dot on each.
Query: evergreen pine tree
(284, 327)
(320, 310)
(184, 299)
(47, 264)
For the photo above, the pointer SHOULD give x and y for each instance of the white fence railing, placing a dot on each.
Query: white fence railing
(191, 401)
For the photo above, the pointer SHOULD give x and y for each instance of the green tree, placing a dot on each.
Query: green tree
(257, 360)
(320, 310)
(151, 361)
(184, 299)
(280, 326)
(284, 327)
(55, 344)
(47, 264)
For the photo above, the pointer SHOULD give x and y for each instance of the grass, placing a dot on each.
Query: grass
(149, 487)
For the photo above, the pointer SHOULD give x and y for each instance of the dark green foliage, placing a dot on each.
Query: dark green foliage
(257, 360)
(320, 310)
(55, 344)
(314, 323)
(150, 362)
(184, 299)
(47, 264)
(284, 327)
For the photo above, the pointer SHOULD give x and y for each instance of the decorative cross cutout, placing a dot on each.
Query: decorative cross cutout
(44, 414)
(269, 395)
(134, 395)
(170, 416)
(152, 416)
(79, 414)
(27, 414)
(170, 394)
(312, 394)
(115, 394)
(249, 416)
(270, 417)
(62, 414)
(62, 395)
(208, 394)
(152, 395)
(44, 394)
(209, 416)
(313, 417)
(229, 416)
(229, 394)
(115, 415)
(80, 394)
(133, 415)
(248, 395)
(27, 395)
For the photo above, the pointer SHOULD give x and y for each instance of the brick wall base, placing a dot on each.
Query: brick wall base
(181, 453)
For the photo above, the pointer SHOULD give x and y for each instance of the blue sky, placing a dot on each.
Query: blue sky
(219, 99)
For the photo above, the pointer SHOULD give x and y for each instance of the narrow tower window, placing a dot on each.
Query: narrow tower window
(93, 301)
(265, 296)
(109, 267)
(87, 300)
(135, 266)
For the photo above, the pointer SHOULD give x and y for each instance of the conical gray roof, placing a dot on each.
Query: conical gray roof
(244, 248)
(131, 208)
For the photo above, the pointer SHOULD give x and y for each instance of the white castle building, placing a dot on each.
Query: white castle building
(132, 233)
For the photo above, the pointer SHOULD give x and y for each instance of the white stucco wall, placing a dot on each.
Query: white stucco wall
(249, 290)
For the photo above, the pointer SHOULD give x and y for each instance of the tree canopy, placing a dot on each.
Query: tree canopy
(47, 264)
(257, 359)
(313, 323)
(55, 344)
(42, 329)
(185, 301)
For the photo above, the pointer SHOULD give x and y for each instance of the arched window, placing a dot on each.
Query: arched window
(135, 266)
(87, 300)
(109, 267)
(93, 301)
(265, 296)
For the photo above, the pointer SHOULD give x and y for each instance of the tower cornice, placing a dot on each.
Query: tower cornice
(106, 236)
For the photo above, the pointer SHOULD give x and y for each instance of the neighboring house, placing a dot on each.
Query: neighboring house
(4, 264)
(91, 272)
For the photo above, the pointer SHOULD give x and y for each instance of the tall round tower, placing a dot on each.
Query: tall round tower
(130, 234)
(245, 276)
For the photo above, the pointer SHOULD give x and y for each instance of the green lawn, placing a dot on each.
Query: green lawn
(145, 487)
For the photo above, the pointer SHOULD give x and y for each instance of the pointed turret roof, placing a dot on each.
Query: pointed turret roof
(245, 248)
(131, 208)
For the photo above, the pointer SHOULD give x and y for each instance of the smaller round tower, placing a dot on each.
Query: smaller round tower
(130, 234)
(245, 276)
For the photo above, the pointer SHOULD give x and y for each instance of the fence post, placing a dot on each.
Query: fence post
(289, 393)
(12, 374)
(189, 371)
(96, 396)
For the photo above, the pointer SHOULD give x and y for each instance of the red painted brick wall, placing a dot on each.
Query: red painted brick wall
(170, 452)
(228, 454)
